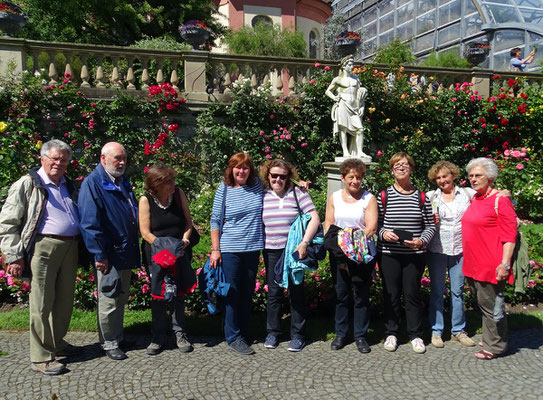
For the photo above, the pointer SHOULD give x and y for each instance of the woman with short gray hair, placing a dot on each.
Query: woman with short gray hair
(489, 231)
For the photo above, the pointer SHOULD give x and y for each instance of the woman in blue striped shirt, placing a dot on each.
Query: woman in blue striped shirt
(236, 241)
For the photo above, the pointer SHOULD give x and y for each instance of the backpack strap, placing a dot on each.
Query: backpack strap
(384, 198)
(300, 212)
(422, 199)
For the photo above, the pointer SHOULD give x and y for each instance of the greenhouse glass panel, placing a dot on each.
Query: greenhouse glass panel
(371, 30)
(426, 5)
(473, 24)
(470, 7)
(386, 6)
(370, 46)
(405, 31)
(530, 3)
(402, 2)
(502, 61)
(405, 13)
(532, 16)
(386, 38)
(424, 42)
(370, 15)
(426, 22)
(449, 12)
(386, 22)
(449, 33)
(506, 2)
(355, 23)
(501, 14)
(507, 39)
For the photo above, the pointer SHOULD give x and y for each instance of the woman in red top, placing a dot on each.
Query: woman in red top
(489, 231)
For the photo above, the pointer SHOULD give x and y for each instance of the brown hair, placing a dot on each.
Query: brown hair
(398, 156)
(438, 166)
(235, 161)
(352, 163)
(268, 165)
(156, 176)
(514, 51)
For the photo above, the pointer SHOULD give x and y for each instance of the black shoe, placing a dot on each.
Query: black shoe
(363, 346)
(127, 345)
(241, 347)
(338, 343)
(116, 354)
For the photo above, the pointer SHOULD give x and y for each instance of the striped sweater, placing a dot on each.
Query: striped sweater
(242, 230)
(403, 212)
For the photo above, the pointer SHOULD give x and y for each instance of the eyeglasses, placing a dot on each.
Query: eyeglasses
(283, 177)
(58, 160)
(398, 167)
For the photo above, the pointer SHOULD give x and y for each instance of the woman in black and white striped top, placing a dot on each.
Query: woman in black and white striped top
(406, 227)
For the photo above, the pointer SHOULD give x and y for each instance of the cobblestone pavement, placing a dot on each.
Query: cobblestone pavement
(213, 371)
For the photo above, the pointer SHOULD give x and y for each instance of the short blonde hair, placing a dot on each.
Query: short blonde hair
(398, 156)
(438, 166)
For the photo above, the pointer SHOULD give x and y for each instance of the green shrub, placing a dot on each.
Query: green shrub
(395, 53)
(449, 59)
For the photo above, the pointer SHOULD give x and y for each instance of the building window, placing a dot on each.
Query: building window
(262, 19)
(313, 45)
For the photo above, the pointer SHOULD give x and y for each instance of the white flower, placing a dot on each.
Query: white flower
(37, 74)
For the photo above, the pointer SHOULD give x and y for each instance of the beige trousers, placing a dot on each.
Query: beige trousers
(54, 268)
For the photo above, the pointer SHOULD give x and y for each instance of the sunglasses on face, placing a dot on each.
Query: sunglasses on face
(280, 176)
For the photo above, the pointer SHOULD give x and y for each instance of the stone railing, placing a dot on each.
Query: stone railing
(201, 76)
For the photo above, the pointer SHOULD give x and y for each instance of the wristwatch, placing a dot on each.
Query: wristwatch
(306, 242)
(507, 266)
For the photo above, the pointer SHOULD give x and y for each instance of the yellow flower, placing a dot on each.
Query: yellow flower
(387, 120)
(371, 109)
(3, 126)
(39, 144)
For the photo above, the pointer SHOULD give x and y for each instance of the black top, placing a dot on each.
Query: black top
(165, 222)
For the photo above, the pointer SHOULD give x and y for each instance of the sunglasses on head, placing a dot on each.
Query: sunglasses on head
(280, 176)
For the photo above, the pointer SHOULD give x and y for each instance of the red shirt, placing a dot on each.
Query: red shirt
(483, 234)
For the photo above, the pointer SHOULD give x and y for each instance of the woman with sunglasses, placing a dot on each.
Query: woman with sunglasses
(406, 226)
(279, 212)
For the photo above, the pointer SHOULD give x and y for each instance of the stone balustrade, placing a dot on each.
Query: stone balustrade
(200, 76)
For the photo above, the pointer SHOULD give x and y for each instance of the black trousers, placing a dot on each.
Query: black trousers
(402, 274)
(352, 278)
(296, 296)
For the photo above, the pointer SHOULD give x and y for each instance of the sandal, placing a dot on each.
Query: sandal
(485, 355)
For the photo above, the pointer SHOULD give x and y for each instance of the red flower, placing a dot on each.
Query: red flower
(504, 122)
(511, 82)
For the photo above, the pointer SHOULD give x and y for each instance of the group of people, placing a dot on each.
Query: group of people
(45, 226)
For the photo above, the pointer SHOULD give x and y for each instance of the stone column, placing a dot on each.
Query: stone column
(482, 81)
(12, 56)
(194, 64)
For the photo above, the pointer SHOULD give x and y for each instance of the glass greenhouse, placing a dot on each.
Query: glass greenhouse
(448, 25)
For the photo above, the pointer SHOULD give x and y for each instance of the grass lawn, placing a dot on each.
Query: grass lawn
(317, 327)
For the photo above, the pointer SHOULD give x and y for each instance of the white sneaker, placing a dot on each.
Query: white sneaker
(391, 343)
(418, 346)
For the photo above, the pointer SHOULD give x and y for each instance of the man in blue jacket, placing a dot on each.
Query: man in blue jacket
(109, 226)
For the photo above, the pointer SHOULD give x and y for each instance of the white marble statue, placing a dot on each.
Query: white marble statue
(348, 110)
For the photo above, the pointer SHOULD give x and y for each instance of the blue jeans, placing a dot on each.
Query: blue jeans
(438, 264)
(240, 271)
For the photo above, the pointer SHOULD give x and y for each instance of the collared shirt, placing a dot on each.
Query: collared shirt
(60, 215)
(448, 237)
(118, 184)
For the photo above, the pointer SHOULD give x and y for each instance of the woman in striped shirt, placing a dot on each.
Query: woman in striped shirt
(406, 227)
(280, 211)
(236, 240)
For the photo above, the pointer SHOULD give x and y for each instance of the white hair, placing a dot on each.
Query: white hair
(55, 144)
(491, 170)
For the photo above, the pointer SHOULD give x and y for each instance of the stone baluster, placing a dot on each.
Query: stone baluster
(145, 79)
(159, 73)
(277, 88)
(85, 76)
(130, 78)
(100, 73)
(292, 81)
(254, 78)
(115, 73)
(53, 74)
(227, 79)
(174, 79)
(68, 68)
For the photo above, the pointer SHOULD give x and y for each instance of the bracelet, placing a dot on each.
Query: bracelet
(306, 242)
(507, 266)
(212, 249)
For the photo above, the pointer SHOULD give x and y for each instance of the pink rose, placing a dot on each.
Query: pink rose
(145, 288)
(257, 286)
(520, 166)
(317, 65)
(95, 294)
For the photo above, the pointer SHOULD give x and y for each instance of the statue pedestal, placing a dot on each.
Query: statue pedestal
(365, 159)
(334, 176)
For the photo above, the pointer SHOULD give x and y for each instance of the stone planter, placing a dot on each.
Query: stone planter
(346, 47)
(475, 55)
(11, 23)
(194, 35)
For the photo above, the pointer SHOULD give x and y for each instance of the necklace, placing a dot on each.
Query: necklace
(158, 203)
(484, 196)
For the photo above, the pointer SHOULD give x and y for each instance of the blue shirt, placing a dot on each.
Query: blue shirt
(242, 229)
(516, 63)
(60, 216)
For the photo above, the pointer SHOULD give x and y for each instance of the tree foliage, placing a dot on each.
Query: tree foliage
(266, 40)
(395, 53)
(117, 22)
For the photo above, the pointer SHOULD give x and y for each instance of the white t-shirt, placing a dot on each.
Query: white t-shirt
(350, 214)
